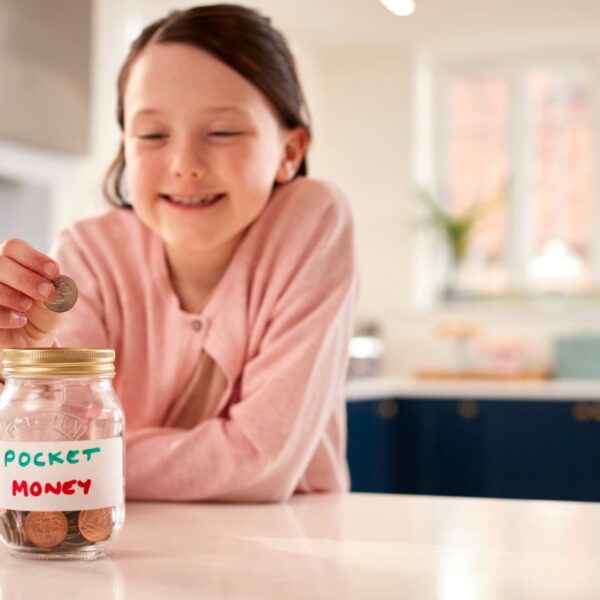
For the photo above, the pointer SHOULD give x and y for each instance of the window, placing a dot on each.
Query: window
(521, 138)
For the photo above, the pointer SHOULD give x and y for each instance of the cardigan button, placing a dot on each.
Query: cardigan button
(197, 325)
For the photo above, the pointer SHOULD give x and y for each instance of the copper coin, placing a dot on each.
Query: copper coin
(96, 525)
(46, 529)
(65, 297)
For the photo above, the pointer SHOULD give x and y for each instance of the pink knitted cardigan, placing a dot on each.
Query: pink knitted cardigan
(277, 326)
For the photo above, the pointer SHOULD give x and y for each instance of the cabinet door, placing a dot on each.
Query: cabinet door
(548, 450)
(374, 454)
(415, 447)
(452, 450)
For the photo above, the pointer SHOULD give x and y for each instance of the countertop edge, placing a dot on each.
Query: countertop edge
(378, 388)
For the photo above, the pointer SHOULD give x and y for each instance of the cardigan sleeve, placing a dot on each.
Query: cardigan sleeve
(289, 390)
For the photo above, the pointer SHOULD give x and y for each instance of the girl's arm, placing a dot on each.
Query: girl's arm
(289, 391)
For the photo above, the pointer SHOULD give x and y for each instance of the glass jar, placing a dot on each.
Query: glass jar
(61, 453)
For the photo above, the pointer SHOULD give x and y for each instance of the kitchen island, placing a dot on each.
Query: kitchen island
(327, 546)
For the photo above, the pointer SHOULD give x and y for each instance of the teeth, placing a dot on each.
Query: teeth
(194, 200)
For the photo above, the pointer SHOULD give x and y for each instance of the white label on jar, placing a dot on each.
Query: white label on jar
(79, 475)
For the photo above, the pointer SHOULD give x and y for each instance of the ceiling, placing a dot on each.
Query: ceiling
(367, 22)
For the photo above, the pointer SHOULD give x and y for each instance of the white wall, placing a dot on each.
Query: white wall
(362, 144)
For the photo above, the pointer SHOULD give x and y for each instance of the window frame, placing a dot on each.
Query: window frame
(433, 73)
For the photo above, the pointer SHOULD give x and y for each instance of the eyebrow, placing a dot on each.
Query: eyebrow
(211, 109)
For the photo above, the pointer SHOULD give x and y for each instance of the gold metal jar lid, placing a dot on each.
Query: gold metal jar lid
(57, 361)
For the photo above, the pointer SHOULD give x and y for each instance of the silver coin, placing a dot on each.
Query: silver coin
(65, 297)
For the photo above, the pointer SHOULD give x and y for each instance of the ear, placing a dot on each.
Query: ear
(295, 145)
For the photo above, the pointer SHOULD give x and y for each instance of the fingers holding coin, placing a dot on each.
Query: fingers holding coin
(16, 307)
(32, 291)
(24, 280)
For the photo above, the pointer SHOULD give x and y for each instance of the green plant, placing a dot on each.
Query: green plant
(457, 229)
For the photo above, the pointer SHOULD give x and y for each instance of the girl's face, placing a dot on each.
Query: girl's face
(203, 147)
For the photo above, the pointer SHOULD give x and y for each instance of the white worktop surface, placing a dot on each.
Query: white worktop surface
(354, 546)
(406, 387)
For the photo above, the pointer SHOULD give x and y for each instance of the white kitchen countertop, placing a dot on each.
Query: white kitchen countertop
(388, 387)
(329, 547)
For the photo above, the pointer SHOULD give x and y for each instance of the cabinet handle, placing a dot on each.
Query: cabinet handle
(580, 412)
(387, 409)
(586, 411)
(468, 409)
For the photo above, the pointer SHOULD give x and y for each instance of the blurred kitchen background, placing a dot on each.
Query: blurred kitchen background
(467, 138)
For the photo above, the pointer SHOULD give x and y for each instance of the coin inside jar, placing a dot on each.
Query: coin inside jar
(96, 525)
(46, 529)
(65, 296)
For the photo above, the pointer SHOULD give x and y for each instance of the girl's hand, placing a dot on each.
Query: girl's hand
(26, 277)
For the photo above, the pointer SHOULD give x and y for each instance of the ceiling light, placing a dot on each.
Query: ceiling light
(402, 8)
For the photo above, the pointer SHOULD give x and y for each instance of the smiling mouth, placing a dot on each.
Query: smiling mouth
(189, 202)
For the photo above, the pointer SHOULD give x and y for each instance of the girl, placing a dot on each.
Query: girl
(225, 279)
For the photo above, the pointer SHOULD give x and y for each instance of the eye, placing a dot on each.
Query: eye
(152, 136)
(225, 133)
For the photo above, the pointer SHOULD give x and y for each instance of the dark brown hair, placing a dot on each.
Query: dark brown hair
(241, 38)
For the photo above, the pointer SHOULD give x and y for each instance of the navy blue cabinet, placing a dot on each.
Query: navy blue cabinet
(493, 448)
(376, 442)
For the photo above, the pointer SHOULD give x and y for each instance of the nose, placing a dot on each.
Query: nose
(188, 161)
